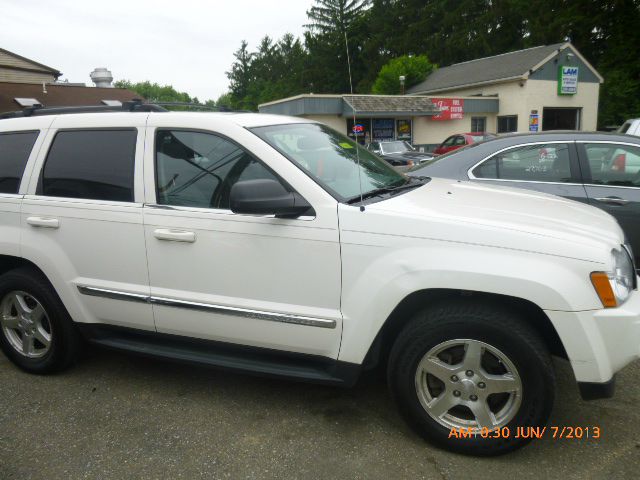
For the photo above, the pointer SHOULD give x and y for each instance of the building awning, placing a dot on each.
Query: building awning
(388, 105)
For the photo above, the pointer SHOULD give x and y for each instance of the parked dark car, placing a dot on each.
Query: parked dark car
(459, 140)
(601, 169)
(399, 153)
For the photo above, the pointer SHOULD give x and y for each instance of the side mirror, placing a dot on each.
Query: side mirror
(267, 197)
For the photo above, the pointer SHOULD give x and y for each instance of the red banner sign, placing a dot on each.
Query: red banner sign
(450, 109)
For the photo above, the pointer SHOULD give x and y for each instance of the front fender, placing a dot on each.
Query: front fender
(377, 278)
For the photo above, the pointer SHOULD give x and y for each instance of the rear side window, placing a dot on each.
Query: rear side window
(533, 163)
(15, 149)
(91, 164)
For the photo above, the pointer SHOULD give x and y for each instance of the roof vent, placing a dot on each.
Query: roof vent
(27, 102)
(102, 78)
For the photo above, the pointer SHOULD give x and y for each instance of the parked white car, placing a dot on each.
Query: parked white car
(631, 127)
(277, 246)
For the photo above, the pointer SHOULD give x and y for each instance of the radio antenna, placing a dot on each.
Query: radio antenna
(355, 133)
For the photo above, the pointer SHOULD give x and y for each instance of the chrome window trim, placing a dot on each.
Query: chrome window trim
(471, 176)
(608, 141)
(528, 181)
(240, 312)
(607, 186)
(217, 211)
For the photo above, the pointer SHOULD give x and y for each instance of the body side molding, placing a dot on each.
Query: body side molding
(240, 312)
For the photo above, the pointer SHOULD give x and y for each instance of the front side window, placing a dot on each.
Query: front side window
(533, 163)
(15, 149)
(460, 140)
(614, 164)
(197, 169)
(339, 165)
(449, 142)
(90, 164)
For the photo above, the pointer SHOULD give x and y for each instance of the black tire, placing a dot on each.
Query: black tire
(65, 341)
(501, 329)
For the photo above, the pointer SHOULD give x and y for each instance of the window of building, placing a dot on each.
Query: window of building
(91, 164)
(478, 124)
(196, 169)
(507, 123)
(15, 149)
(534, 163)
(613, 164)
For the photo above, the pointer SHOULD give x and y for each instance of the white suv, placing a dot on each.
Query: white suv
(277, 246)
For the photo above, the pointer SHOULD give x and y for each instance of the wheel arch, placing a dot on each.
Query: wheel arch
(530, 312)
(10, 262)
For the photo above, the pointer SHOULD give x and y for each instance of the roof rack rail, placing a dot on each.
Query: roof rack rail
(201, 107)
(134, 105)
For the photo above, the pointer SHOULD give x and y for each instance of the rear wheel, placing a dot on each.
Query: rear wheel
(36, 332)
(466, 376)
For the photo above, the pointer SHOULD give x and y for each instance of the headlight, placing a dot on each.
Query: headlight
(614, 287)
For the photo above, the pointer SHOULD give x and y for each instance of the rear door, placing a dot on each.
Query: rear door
(16, 147)
(612, 182)
(550, 167)
(81, 218)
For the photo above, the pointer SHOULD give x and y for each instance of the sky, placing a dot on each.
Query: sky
(185, 43)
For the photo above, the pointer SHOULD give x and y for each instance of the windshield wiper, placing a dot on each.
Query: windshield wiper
(413, 182)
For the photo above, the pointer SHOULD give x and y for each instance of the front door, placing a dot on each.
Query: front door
(252, 280)
(613, 184)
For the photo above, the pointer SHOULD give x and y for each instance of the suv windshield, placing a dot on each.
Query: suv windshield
(395, 147)
(332, 159)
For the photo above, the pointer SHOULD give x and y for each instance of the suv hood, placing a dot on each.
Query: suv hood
(498, 216)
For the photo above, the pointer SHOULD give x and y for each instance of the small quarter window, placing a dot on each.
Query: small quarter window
(197, 169)
(15, 149)
(91, 164)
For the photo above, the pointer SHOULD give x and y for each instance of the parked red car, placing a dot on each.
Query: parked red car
(459, 140)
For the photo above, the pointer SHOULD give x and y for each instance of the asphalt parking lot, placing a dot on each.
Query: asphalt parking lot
(120, 416)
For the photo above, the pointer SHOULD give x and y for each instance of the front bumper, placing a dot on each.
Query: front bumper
(600, 342)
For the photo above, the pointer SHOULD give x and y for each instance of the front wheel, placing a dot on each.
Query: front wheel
(472, 378)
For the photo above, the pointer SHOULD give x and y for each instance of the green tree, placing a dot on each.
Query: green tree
(414, 68)
(240, 76)
(154, 92)
(335, 16)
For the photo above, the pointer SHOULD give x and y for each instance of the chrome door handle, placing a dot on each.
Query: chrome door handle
(613, 200)
(43, 222)
(174, 235)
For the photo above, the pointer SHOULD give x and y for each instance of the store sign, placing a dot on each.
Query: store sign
(534, 122)
(567, 80)
(358, 129)
(403, 130)
(450, 109)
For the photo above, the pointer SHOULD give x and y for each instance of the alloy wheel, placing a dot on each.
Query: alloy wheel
(25, 324)
(466, 383)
